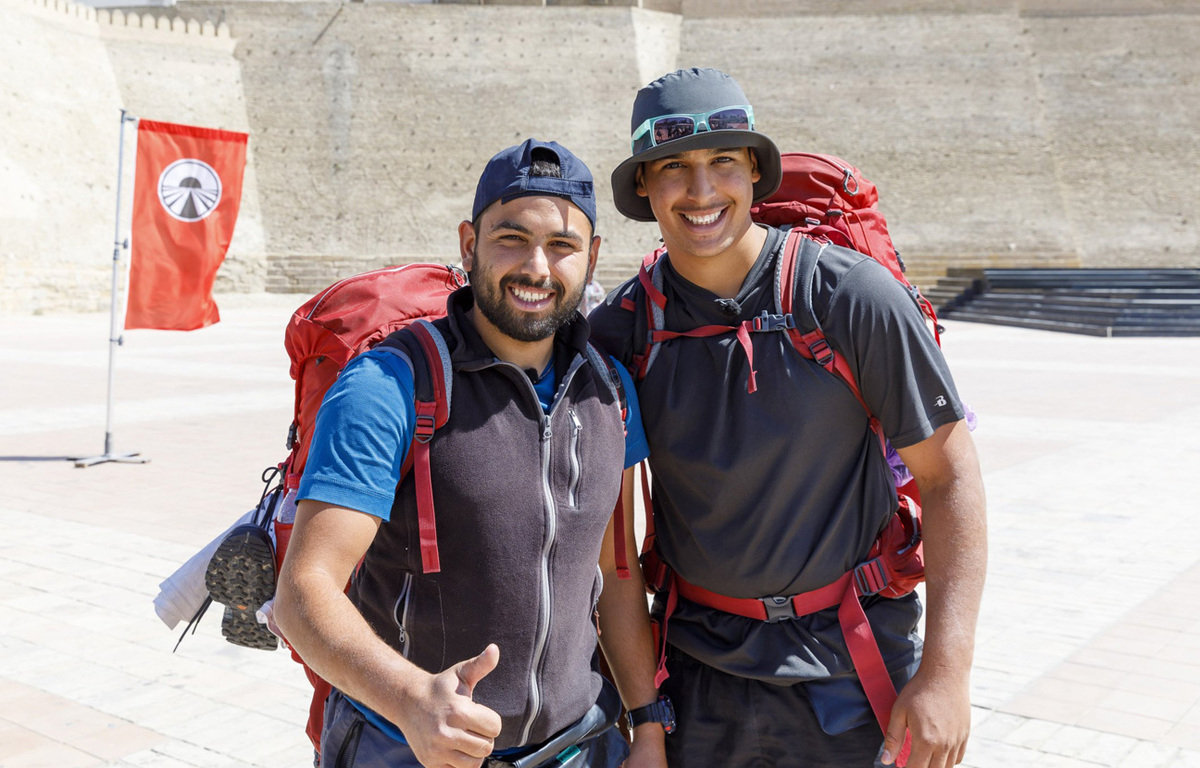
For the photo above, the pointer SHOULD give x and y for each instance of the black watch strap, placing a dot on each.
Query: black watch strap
(661, 711)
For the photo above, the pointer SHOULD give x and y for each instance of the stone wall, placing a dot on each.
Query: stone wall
(1121, 95)
(58, 161)
(68, 71)
(999, 131)
(1017, 132)
(371, 123)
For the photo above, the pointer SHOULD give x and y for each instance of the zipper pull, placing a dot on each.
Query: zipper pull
(546, 431)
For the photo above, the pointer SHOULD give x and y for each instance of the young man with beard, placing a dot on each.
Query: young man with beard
(488, 659)
(763, 494)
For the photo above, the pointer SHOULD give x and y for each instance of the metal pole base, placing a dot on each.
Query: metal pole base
(118, 458)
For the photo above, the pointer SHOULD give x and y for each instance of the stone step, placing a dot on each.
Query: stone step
(1087, 329)
(1103, 302)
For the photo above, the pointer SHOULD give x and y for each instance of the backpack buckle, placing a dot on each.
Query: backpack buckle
(821, 352)
(871, 577)
(779, 608)
(768, 322)
(424, 428)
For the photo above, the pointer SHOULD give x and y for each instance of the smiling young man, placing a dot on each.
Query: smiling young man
(491, 658)
(764, 493)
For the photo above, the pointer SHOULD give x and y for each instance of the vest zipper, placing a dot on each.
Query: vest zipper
(576, 429)
(543, 628)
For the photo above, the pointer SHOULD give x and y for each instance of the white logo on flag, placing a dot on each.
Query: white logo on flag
(189, 189)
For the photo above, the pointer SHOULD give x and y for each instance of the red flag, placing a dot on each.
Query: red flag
(186, 194)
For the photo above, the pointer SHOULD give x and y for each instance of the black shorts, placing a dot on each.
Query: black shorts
(736, 722)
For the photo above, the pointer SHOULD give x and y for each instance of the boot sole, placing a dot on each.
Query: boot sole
(241, 575)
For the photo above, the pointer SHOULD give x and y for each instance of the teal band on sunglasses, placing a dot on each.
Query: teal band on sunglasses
(659, 130)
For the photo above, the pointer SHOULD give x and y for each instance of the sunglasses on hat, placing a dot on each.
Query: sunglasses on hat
(666, 128)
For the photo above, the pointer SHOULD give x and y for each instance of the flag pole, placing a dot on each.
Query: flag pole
(114, 335)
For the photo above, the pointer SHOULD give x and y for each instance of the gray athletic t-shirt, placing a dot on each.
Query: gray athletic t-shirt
(782, 491)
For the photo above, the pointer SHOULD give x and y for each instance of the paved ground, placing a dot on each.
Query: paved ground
(1089, 641)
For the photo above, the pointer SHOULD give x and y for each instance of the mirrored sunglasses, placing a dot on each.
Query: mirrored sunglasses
(660, 130)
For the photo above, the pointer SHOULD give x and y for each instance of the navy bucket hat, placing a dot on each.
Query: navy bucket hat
(507, 176)
(691, 92)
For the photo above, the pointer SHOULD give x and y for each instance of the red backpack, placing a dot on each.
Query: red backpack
(821, 200)
(344, 320)
(347, 318)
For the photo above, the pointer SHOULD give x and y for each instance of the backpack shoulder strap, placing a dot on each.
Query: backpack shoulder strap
(794, 285)
(607, 369)
(425, 349)
(648, 303)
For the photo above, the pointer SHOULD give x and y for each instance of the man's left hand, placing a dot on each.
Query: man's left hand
(935, 706)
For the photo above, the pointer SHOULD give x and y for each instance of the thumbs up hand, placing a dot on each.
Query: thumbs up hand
(471, 671)
(447, 729)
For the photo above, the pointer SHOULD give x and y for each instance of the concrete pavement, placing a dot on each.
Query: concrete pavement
(1088, 648)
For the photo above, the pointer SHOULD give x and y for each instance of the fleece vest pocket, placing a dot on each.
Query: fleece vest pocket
(400, 611)
(573, 456)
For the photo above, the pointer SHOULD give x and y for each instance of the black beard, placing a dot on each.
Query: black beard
(520, 325)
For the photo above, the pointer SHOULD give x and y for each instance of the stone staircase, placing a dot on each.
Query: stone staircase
(1095, 302)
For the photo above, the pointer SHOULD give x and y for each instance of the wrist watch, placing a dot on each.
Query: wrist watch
(661, 711)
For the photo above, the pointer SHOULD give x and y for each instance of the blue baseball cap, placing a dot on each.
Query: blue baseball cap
(507, 176)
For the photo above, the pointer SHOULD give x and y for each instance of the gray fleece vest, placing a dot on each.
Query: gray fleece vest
(522, 500)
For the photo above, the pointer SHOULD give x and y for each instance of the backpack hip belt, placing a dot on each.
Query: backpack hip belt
(893, 569)
(868, 578)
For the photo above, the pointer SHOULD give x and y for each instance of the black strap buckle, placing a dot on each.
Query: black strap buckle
(424, 428)
(768, 322)
(871, 577)
(821, 352)
(779, 608)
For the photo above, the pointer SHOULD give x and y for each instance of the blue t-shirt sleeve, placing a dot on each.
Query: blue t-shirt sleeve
(362, 435)
(636, 448)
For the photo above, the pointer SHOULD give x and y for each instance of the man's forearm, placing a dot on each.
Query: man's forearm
(626, 639)
(628, 646)
(335, 640)
(955, 566)
(625, 633)
(955, 543)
